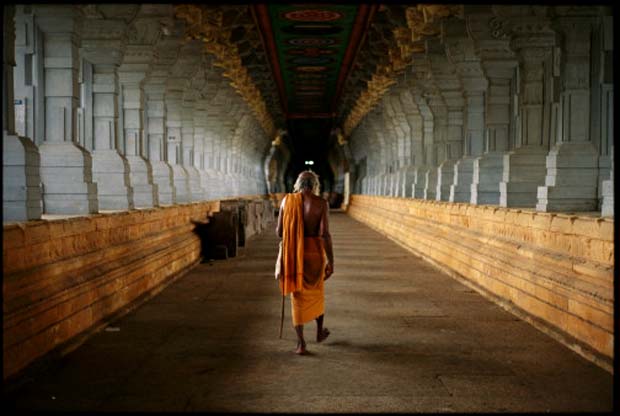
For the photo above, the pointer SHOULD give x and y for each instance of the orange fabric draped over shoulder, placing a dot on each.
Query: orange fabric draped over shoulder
(292, 244)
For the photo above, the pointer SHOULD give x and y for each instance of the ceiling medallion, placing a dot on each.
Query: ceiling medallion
(303, 93)
(312, 52)
(306, 60)
(310, 68)
(312, 41)
(305, 76)
(313, 82)
(312, 29)
(313, 15)
(309, 88)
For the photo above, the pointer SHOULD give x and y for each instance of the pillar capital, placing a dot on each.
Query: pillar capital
(59, 18)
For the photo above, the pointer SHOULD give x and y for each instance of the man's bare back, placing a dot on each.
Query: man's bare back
(316, 224)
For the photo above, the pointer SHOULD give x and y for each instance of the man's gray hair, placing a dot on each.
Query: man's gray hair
(308, 179)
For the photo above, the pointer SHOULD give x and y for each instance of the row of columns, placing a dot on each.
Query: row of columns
(116, 113)
(511, 106)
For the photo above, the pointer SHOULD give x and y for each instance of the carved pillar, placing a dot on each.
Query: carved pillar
(415, 122)
(21, 184)
(439, 110)
(607, 207)
(451, 90)
(200, 125)
(488, 168)
(603, 126)
(213, 185)
(188, 146)
(156, 132)
(461, 52)
(394, 136)
(572, 163)
(66, 168)
(524, 167)
(103, 46)
(174, 154)
(426, 164)
(131, 76)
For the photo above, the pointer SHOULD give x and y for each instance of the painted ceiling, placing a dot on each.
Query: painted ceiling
(311, 48)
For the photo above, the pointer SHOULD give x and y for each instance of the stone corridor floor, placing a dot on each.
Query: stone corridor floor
(404, 338)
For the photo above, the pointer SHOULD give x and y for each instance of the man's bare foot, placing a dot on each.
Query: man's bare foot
(301, 349)
(322, 336)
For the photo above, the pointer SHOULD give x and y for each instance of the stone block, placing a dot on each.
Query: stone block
(13, 237)
(562, 223)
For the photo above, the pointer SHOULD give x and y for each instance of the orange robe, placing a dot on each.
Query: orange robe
(303, 264)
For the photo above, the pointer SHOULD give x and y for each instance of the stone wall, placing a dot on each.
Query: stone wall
(554, 270)
(65, 278)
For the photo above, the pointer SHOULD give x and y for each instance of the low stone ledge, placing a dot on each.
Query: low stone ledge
(556, 267)
(64, 278)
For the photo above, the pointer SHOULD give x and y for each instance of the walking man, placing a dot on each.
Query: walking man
(307, 255)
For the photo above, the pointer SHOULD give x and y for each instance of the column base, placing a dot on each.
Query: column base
(430, 184)
(607, 207)
(524, 171)
(518, 194)
(460, 190)
(572, 179)
(181, 184)
(141, 180)
(66, 174)
(214, 184)
(487, 175)
(162, 177)
(111, 174)
(407, 176)
(21, 185)
(445, 177)
(196, 192)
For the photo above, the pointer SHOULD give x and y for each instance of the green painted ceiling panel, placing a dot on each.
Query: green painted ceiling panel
(311, 42)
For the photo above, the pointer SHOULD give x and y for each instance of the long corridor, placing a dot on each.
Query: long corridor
(404, 338)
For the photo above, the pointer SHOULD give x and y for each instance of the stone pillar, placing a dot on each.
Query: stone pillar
(488, 168)
(28, 77)
(603, 110)
(461, 52)
(174, 96)
(524, 167)
(572, 164)
(415, 122)
(212, 186)
(475, 86)
(402, 185)
(452, 149)
(440, 131)
(427, 162)
(21, 185)
(188, 146)
(394, 135)
(451, 90)
(200, 125)
(140, 171)
(156, 132)
(66, 168)
(102, 47)
(607, 207)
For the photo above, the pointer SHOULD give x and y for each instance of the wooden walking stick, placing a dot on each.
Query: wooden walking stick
(282, 317)
(280, 276)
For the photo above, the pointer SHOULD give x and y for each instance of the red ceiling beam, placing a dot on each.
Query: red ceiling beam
(261, 17)
(358, 32)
